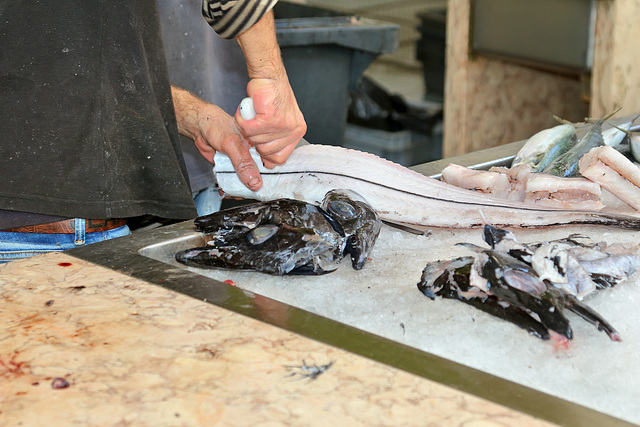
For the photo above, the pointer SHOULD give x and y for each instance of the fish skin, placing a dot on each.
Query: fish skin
(575, 264)
(399, 195)
(304, 243)
(567, 165)
(548, 309)
(487, 282)
(603, 265)
(286, 236)
(450, 279)
(361, 224)
(545, 146)
(614, 136)
(634, 143)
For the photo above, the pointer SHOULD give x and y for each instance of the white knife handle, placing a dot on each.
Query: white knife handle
(246, 109)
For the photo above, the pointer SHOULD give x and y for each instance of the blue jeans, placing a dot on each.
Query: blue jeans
(23, 245)
(207, 200)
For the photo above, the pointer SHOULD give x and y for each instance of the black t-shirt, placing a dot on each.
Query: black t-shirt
(87, 126)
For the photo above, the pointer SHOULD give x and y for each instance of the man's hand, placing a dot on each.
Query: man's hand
(279, 123)
(212, 130)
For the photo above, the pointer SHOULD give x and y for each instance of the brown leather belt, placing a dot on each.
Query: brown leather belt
(68, 226)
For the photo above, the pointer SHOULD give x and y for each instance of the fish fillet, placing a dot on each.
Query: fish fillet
(399, 195)
(520, 183)
(489, 182)
(567, 193)
(613, 171)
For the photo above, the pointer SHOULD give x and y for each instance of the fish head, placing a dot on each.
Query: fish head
(505, 241)
(271, 249)
(358, 221)
(494, 235)
(281, 236)
(240, 217)
(446, 278)
(517, 283)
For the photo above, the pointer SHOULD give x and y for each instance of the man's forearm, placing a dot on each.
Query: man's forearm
(261, 50)
(186, 108)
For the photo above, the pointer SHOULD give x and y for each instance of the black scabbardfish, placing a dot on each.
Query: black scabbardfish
(287, 236)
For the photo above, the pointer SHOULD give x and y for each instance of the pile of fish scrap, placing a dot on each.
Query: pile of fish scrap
(287, 236)
(556, 168)
(531, 285)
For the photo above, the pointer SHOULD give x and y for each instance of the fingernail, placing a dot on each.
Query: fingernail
(254, 182)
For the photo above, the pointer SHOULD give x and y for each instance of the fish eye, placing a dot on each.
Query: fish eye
(262, 234)
(342, 208)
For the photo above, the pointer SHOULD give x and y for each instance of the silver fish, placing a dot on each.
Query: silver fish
(566, 165)
(634, 143)
(399, 195)
(614, 136)
(545, 146)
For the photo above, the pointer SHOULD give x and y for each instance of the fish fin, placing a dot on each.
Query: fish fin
(310, 269)
(421, 230)
(472, 247)
(567, 122)
(511, 314)
(607, 117)
(591, 316)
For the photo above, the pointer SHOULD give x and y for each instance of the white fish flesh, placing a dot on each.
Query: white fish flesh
(522, 184)
(566, 193)
(399, 195)
(613, 171)
(489, 182)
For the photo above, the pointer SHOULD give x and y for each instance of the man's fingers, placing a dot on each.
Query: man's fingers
(245, 167)
(274, 154)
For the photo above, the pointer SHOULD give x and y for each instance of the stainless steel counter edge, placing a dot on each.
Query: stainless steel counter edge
(122, 254)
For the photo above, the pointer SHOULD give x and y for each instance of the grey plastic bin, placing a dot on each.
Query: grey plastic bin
(325, 55)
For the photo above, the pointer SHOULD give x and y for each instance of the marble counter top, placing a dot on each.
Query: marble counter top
(126, 352)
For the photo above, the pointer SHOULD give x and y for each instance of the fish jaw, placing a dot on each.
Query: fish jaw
(591, 316)
(359, 222)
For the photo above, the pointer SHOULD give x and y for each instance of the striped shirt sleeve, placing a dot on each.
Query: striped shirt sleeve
(231, 17)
